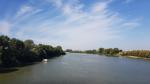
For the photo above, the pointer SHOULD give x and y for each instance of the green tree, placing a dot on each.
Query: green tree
(29, 44)
(101, 50)
(14, 52)
(0, 55)
(68, 50)
(116, 51)
(5, 48)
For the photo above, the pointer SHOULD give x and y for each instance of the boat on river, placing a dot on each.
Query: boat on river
(45, 60)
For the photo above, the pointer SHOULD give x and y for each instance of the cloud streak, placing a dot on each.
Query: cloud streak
(23, 10)
(75, 25)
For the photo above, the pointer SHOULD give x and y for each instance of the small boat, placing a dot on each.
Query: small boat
(45, 60)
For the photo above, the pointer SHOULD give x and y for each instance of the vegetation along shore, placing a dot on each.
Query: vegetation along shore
(144, 54)
(15, 52)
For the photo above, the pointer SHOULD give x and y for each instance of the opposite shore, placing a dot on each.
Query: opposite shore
(136, 54)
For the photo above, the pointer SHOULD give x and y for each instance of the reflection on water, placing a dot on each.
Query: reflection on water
(7, 70)
(82, 69)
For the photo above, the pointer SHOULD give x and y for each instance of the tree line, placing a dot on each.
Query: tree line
(139, 53)
(114, 52)
(102, 51)
(15, 52)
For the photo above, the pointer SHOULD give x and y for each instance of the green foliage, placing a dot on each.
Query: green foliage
(69, 50)
(109, 51)
(91, 51)
(0, 55)
(74, 51)
(139, 53)
(29, 44)
(14, 52)
(101, 50)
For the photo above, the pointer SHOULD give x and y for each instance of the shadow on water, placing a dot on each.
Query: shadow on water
(7, 70)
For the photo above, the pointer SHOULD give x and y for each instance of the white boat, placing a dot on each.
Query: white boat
(45, 60)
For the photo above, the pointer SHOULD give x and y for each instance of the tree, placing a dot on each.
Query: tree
(5, 48)
(91, 51)
(139, 53)
(108, 51)
(68, 50)
(4, 41)
(29, 44)
(0, 55)
(116, 51)
(59, 50)
(14, 52)
(101, 50)
(16, 44)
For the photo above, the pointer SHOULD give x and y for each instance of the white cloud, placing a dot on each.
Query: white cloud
(23, 10)
(131, 25)
(4, 27)
(24, 14)
(76, 28)
(99, 7)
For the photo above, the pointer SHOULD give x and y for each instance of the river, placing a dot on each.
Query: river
(82, 69)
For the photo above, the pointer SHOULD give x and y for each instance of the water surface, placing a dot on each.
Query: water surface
(82, 69)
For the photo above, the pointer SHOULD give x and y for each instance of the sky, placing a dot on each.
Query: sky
(78, 24)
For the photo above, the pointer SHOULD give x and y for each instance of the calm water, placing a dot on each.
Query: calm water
(82, 69)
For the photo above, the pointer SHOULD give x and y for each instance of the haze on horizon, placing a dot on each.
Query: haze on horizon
(78, 24)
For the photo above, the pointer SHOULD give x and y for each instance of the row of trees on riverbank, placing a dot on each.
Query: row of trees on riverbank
(139, 53)
(115, 52)
(14, 52)
(102, 51)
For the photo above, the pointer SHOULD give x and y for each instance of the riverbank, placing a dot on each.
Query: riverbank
(136, 54)
(7, 70)
(119, 55)
(135, 57)
(132, 57)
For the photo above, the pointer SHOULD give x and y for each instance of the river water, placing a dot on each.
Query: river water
(82, 69)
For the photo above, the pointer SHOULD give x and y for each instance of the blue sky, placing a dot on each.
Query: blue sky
(78, 24)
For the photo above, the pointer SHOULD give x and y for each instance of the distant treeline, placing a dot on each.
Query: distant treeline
(115, 52)
(14, 52)
(109, 51)
(139, 53)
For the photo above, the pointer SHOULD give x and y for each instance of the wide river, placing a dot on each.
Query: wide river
(82, 69)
